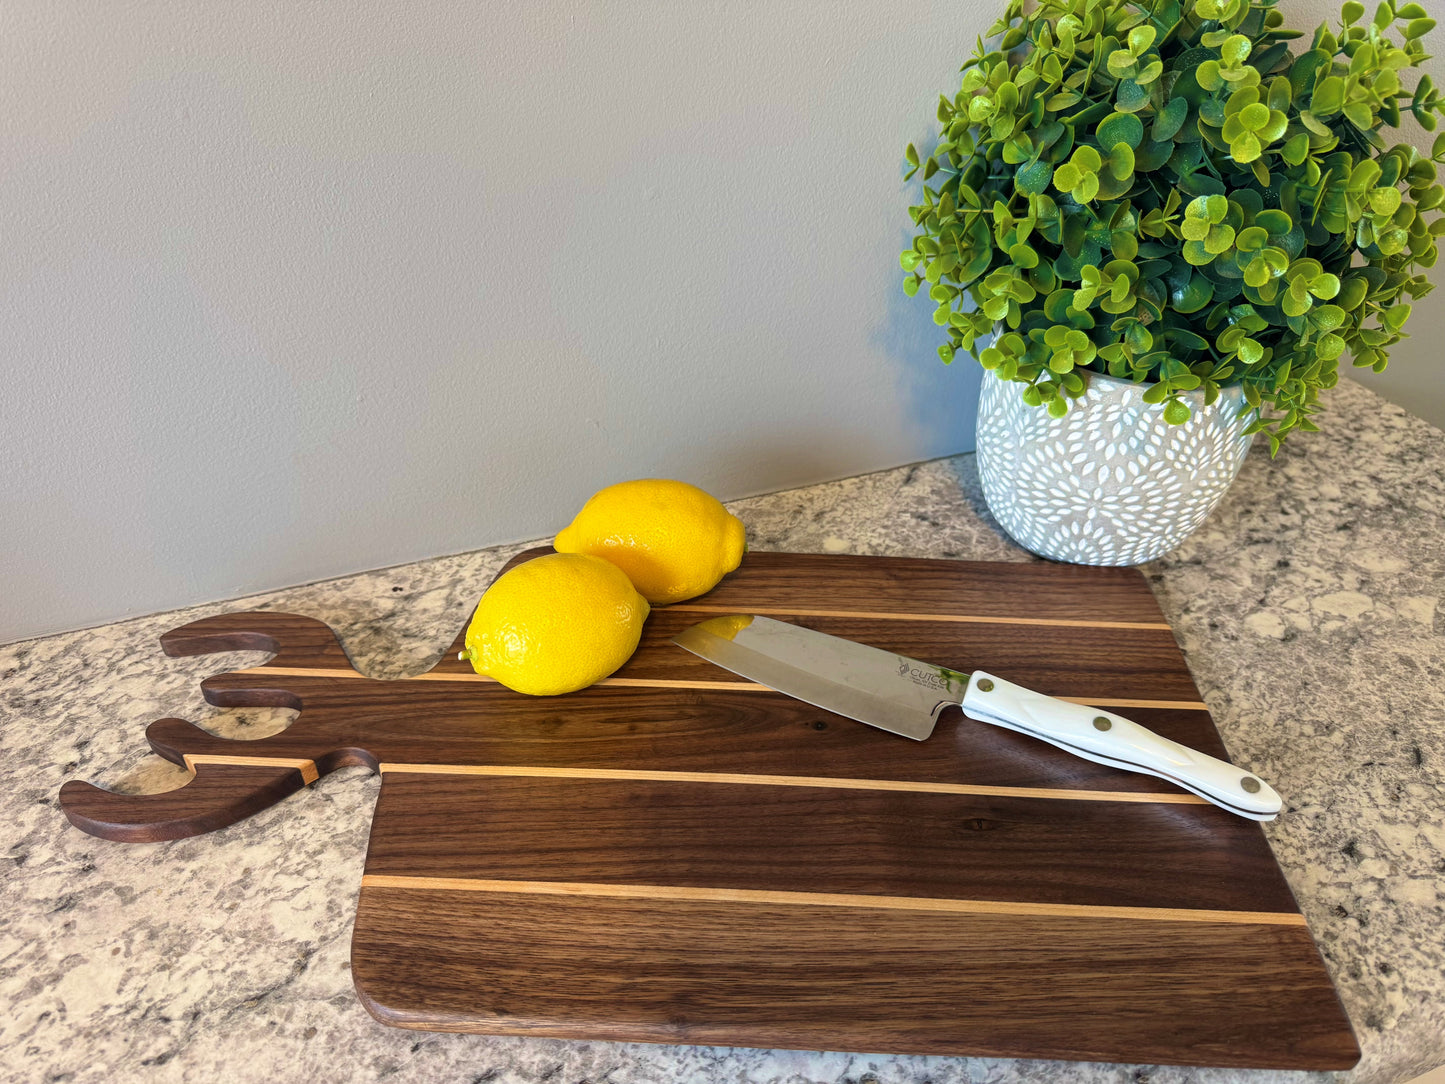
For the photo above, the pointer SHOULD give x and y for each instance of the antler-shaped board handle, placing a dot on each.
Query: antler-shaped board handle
(217, 795)
(233, 779)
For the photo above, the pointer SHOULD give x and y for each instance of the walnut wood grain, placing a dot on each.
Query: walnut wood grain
(916, 585)
(866, 979)
(683, 856)
(296, 640)
(1087, 662)
(809, 839)
(216, 796)
(651, 729)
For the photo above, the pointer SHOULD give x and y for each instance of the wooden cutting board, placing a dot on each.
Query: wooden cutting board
(679, 855)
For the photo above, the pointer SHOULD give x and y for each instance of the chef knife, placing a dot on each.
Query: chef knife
(906, 696)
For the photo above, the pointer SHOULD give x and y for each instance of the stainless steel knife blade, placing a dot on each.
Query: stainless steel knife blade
(892, 692)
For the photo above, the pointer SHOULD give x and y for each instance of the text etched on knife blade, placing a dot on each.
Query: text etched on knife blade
(926, 677)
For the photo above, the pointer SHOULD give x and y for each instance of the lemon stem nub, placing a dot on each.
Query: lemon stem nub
(464, 655)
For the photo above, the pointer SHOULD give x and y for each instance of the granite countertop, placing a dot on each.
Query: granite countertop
(1309, 607)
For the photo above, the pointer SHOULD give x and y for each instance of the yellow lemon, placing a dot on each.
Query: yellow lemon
(555, 624)
(673, 540)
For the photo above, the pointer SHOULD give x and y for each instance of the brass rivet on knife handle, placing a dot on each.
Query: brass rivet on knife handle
(1101, 723)
(984, 685)
(1250, 783)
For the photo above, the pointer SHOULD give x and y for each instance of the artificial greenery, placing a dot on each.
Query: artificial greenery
(1162, 191)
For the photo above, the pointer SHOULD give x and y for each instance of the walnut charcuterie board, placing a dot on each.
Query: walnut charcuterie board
(679, 855)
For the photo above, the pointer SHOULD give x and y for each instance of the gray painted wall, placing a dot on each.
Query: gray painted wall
(289, 291)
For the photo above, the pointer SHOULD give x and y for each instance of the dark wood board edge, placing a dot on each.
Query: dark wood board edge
(1285, 1014)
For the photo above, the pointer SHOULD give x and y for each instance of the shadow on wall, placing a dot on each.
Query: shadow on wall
(941, 400)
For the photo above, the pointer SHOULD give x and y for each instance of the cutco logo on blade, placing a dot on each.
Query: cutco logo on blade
(929, 679)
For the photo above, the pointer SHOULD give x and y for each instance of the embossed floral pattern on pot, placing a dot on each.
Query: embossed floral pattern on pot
(1110, 483)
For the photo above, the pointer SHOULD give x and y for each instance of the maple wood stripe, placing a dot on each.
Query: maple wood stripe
(828, 899)
(828, 781)
(307, 768)
(873, 615)
(669, 683)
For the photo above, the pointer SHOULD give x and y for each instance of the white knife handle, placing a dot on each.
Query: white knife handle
(1111, 739)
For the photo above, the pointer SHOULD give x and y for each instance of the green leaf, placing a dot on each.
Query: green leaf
(1176, 413)
(1363, 60)
(1277, 222)
(1121, 162)
(1385, 201)
(1352, 293)
(1280, 94)
(1251, 239)
(1119, 128)
(1074, 234)
(1220, 240)
(1170, 120)
(1328, 97)
(1023, 256)
(1150, 72)
(1131, 98)
(1195, 253)
(1292, 305)
(1257, 272)
(1056, 306)
(1326, 317)
(1246, 149)
(1121, 63)
(1235, 51)
(1196, 293)
(1254, 117)
(1358, 114)
(1034, 178)
(1208, 77)
(1315, 125)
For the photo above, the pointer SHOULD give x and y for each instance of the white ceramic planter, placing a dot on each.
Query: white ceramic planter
(1110, 483)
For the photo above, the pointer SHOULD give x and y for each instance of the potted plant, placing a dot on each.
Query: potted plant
(1159, 229)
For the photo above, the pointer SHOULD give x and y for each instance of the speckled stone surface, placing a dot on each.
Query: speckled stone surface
(1309, 606)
